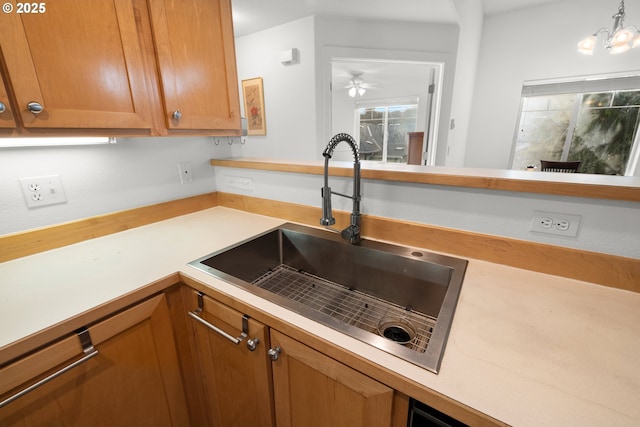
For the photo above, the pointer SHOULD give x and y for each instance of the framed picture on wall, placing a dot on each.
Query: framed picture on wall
(253, 95)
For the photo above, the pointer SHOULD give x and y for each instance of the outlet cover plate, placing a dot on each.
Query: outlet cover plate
(558, 224)
(240, 182)
(186, 175)
(43, 191)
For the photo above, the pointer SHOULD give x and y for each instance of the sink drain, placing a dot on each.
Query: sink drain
(397, 330)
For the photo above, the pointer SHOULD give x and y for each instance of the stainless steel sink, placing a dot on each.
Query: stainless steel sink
(396, 298)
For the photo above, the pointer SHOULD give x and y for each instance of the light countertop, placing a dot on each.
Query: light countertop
(526, 348)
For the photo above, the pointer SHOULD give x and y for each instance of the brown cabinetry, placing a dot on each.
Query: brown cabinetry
(77, 65)
(196, 61)
(6, 114)
(303, 386)
(234, 376)
(312, 389)
(127, 374)
(122, 67)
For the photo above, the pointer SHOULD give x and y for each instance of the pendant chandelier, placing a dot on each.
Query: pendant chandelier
(619, 39)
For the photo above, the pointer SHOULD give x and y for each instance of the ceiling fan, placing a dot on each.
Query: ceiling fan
(356, 85)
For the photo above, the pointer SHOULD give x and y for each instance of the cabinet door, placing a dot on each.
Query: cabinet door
(311, 389)
(134, 380)
(196, 57)
(6, 115)
(236, 381)
(81, 61)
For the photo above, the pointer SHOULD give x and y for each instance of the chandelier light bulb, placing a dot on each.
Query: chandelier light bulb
(619, 39)
(586, 46)
(622, 37)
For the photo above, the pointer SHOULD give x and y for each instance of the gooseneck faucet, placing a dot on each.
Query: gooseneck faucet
(352, 232)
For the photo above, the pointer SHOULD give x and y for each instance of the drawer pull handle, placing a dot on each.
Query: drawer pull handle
(195, 314)
(177, 115)
(35, 108)
(87, 348)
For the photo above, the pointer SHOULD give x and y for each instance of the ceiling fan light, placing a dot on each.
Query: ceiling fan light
(587, 44)
(352, 91)
(361, 91)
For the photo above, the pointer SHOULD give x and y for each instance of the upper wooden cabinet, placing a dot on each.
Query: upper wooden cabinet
(123, 67)
(77, 65)
(196, 61)
(6, 114)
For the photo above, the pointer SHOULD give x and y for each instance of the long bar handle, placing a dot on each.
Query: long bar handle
(87, 348)
(245, 323)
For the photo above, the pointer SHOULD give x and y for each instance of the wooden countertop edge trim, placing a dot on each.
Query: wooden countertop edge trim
(386, 376)
(17, 245)
(608, 270)
(588, 190)
(603, 269)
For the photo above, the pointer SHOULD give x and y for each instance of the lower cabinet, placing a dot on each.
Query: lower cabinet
(122, 371)
(253, 376)
(234, 370)
(312, 389)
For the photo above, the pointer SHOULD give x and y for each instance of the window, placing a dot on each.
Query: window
(591, 121)
(383, 130)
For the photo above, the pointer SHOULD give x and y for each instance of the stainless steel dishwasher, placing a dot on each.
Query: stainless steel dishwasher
(422, 415)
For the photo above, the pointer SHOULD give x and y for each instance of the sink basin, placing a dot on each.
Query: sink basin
(395, 298)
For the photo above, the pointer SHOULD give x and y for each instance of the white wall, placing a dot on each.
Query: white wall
(471, 19)
(499, 213)
(295, 95)
(532, 44)
(289, 90)
(104, 178)
(435, 42)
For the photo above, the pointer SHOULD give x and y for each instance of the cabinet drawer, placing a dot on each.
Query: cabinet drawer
(129, 375)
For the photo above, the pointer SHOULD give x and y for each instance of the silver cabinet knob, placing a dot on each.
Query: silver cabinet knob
(35, 108)
(274, 353)
(252, 344)
(3, 107)
(176, 115)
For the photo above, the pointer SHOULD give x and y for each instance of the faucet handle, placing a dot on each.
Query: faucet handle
(351, 234)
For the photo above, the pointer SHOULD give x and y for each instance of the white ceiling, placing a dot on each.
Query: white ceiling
(254, 15)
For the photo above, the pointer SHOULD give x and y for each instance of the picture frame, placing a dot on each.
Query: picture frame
(253, 97)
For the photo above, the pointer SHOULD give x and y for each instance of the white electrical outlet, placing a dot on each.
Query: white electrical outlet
(186, 175)
(231, 181)
(241, 182)
(245, 183)
(559, 224)
(43, 191)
